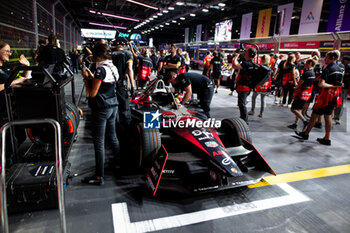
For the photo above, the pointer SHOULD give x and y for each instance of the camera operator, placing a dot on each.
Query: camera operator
(246, 72)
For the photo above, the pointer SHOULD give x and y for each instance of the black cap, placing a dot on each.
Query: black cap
(346, 58)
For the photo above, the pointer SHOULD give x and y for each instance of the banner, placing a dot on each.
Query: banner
(192, 30)
(187, 32)
(310, 16)
(264, 20)
(246, 26)
(287, 18)
(199, 33)
(339, 16)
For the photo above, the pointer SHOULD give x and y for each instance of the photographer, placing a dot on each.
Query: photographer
(246, 72)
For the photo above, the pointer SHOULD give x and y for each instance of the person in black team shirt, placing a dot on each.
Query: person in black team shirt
(5, 73)
(193, 83)
(330, 84)
(245, 75)
(303, 93)
(51, 54)
(161, 62)
(172, 62)
(123, 61)
(215, 65)
(103, 102)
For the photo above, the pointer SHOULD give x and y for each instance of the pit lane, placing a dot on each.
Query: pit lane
(323, 205)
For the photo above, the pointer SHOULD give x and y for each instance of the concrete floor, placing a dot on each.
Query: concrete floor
(310, 205)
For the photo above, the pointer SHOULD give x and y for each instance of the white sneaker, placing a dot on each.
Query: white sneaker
(276, 101)
(289, 105)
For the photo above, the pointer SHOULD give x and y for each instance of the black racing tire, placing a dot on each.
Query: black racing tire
(149, 143)
(44, 134)
(233, 130)
(74, 109)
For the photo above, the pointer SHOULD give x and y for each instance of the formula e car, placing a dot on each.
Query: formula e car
(182, 151)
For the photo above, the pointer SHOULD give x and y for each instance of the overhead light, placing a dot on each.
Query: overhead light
(182, 18)
(142, 4)
(180, 3)
(114, 16)
(151, 19)
(152, 29)
(193, 15)
(161, 26)
(167, 23)
(173, 21)
(178, 23)
(157, 27)
(165, 11)
(106, 25)
(147, 21)
(205, 10)
(222, 9)
(160, 14)
(155, 16)
(222, 4)
(171, 8)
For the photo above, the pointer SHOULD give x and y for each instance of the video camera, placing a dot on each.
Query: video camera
(241, 51)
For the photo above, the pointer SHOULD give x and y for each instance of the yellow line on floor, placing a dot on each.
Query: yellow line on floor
(302, 175)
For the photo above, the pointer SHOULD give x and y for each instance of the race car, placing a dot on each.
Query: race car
(182, 151)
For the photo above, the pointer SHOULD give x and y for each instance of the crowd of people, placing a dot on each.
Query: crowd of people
(111, 74)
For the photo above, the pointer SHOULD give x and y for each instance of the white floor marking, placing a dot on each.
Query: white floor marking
(122, 224)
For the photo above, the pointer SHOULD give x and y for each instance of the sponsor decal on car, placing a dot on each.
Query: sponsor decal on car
(226, 161)
(211, 144)
(202, 134)
(234, 170)
(219, 152)
(168, 171)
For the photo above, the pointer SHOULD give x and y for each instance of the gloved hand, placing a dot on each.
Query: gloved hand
(132, 91)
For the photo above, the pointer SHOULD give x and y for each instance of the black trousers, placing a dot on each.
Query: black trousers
(242, 101)
(288, 90)
(205, 97)
(124, 108)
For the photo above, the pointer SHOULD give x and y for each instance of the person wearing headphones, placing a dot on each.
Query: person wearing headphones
(246, 70)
